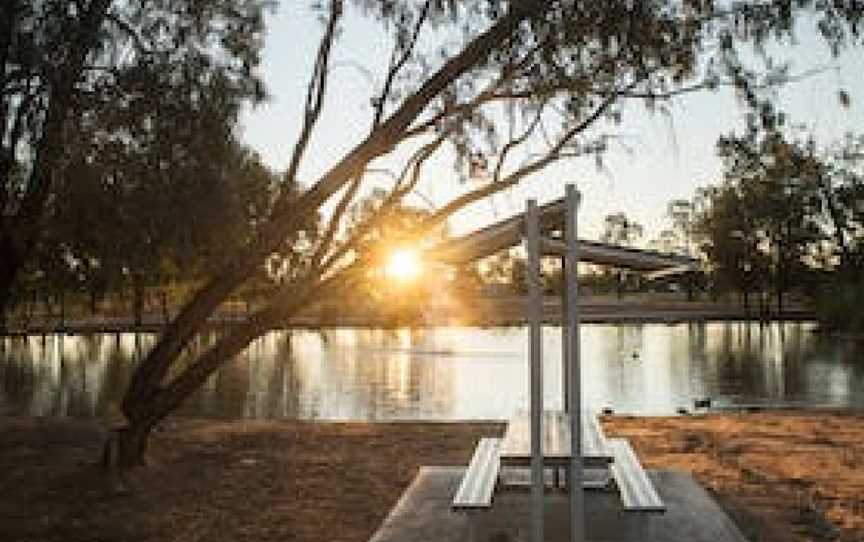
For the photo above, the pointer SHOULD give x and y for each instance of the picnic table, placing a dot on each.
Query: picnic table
(506, 459)
(516, 445)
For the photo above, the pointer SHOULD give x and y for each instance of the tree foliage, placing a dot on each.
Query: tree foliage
(123, 91)
(786, 215)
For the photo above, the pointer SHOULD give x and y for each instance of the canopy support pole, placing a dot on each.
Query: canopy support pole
(574, 382)
(535, 316)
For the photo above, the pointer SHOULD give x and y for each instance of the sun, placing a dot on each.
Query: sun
(403, 265)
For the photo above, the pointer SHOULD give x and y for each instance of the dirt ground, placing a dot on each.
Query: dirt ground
(785, 476)
(218, 481)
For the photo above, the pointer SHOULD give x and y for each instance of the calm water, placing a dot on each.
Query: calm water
(449, 373)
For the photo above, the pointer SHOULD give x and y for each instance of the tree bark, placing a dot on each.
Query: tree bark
(126, 447)
(9, 266)
(137, 303)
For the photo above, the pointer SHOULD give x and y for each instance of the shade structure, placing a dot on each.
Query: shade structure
(535, 241)
(551, 220)
(551, 230)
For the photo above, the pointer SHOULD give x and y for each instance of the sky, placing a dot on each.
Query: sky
(666, 156)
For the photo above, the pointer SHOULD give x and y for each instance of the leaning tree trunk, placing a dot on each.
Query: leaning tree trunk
(9, 268)
(126, 447)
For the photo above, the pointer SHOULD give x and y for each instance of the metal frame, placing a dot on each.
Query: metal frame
(571, 385)
(535, 371)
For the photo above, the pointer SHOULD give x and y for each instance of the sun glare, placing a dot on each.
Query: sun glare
(403, 265)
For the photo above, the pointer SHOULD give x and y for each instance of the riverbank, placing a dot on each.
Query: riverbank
(482, 311)
(784, 476)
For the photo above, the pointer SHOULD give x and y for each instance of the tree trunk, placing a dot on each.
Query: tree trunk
(137, 304)
(127, 447)
(10, 264)
(94, 301)
(163, 298)
(62, 299)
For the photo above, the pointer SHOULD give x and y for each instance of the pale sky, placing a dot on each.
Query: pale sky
(670, 156)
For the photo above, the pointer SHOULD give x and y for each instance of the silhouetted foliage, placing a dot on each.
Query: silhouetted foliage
(119, 91)
(787, 216)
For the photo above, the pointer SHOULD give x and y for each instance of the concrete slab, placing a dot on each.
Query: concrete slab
(423, 514)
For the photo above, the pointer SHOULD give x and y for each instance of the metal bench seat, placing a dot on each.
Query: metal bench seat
(478, 483)
(637, 491)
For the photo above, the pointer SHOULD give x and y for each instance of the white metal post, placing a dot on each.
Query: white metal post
(577, 496)
(535, 315)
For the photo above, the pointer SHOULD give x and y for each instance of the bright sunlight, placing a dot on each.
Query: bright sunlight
(403, 265)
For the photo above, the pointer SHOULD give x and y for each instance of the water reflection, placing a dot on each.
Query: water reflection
(446, 373)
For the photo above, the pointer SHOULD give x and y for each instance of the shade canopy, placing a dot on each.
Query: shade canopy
(508, 233)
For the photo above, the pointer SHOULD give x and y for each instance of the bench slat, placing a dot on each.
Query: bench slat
(637, 491)
(478, 483)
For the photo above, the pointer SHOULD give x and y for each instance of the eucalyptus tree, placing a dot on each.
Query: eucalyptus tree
(779, 184)
(841, 189)
(728, 233)
(619, 229)
(680, 211)
(83, 80)
(509, 87)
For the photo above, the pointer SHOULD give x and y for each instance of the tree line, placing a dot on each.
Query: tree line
(787, 217)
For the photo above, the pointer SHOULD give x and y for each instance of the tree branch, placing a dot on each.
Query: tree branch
(395, 68)
(315, 92)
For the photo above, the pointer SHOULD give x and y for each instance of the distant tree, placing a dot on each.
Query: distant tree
(778, 182)
(680, 212)
(841, 193)
(136, 228)
(505, 268)
(728, 235)
(666, 241)
(620, 230)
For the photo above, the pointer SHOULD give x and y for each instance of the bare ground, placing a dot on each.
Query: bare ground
(786, 477)
(214, 481)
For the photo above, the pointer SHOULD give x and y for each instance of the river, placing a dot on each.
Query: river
(449, 373)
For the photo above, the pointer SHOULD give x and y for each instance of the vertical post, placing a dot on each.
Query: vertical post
(565, 338)
(577, 496)
(535, 314)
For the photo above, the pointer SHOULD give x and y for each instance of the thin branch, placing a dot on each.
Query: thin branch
(554, 154)
(315, 92)
(335, 219)
(396, 67)
(513, 143)
(127, 29)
